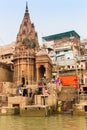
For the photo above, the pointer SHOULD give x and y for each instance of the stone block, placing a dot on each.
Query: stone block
(19, 101)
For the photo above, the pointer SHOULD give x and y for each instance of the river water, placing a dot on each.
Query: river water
(57, 122)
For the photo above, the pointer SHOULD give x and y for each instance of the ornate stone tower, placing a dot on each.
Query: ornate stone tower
(25, 49)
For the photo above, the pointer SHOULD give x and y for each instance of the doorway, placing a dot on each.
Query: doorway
(85, 90)
(42, 71)
(85, 108)
(16, 109)
(23, 80)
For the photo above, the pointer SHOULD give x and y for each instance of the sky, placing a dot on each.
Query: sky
(49, 17)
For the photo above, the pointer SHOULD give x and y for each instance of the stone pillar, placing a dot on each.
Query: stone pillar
(37, 73)
(27, 70)
(47, 74)
(46, 68)
(48, 71)
(32, 73)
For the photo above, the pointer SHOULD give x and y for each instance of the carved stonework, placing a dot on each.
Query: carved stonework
(26, 30)
(25, 56)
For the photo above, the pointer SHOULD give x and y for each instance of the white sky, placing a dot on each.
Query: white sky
(49, 17)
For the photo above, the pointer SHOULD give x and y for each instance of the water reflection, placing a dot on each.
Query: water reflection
(58, 122)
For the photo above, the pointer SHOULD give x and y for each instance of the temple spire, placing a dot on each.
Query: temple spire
(26, 11)
(26, 6)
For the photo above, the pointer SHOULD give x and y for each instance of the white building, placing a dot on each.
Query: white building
(65, 51)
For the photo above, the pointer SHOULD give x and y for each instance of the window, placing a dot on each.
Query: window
(68, 67)
(65, 50)
(81, 66)
(57, 52)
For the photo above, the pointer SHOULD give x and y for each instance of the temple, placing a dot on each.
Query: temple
(30, 63)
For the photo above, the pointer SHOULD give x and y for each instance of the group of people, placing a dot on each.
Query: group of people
(23, 91)
(19, 89)
(42, 89)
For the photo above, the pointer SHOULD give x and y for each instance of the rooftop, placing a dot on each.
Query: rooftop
(7, 49)
(61, 35)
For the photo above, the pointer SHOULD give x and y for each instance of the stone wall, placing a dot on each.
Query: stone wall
(7, 88)
(5, 111)
(18, 101)
(34, 111)
(80, 109)
(68, 96)
(6, 75)
(45, 100)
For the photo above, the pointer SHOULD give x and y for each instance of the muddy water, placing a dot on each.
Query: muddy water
(58, 122)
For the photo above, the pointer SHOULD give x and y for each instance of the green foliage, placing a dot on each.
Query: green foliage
(30, 43)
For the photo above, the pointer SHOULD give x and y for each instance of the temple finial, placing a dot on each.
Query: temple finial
(27, 5)
(26, 11)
